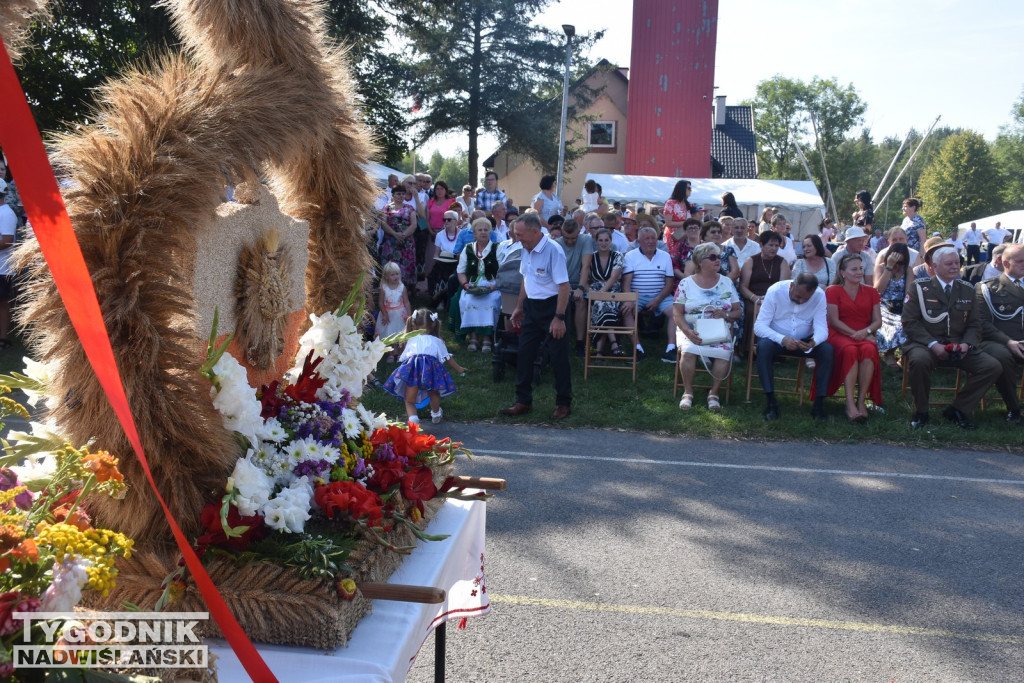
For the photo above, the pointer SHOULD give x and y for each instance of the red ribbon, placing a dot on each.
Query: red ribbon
(52, 227)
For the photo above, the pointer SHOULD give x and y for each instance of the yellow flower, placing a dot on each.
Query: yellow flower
(99, 546)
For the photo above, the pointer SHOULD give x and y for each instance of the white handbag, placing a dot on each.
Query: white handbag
(711, 330)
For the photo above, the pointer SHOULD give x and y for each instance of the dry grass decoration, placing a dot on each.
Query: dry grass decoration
(257, 92)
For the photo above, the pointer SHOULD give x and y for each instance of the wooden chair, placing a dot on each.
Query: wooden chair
(609, 362)
(701, 371)
(941, 392)
(797, 382)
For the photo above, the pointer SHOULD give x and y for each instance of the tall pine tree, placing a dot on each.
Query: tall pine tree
(482, 65)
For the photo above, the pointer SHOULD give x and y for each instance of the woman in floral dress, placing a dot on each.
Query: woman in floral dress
(399, 245)
(708, 294)
(892, 282)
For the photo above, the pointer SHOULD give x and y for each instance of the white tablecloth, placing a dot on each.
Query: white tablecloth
(384, 644)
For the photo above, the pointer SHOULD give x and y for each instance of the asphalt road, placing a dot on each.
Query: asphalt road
(623, 557)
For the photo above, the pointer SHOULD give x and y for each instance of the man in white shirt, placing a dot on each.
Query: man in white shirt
(994, 237)
(793, 321)
(540, 312)
(744, 247)
(648, 272)
(994, 267)
(788, 249)
(611, 220)
(500, 228)
(856, 243)
(972, 243)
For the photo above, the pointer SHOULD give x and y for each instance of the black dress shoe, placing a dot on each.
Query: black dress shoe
(772, 413)
(920, 420)
(1013, 417)
(818, 414)
(954, 415)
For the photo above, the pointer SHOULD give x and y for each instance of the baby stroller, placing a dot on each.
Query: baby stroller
(506, 338)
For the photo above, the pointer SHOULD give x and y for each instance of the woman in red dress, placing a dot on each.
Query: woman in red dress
(854, 317)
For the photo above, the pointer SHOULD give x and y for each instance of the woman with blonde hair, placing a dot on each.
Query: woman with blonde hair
(705, 294)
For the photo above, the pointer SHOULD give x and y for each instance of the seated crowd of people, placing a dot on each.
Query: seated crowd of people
(727, 287)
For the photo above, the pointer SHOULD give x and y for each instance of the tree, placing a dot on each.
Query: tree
(1009, 153)
(81, 46)
(962, 183)
(481, 65)
(378, 73)
(782, 112)
(86, 43)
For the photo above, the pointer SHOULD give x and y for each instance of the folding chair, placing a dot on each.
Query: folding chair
(701, 370)
(609, 362)
(943, 391)
(797, 382)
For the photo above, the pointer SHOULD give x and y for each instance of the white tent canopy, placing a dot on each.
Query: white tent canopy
(380, 172)
(1011, 220)
(798, 200)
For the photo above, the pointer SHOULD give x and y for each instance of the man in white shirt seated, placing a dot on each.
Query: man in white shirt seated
(744, 247)
(498, 211)
(857, 243)
(793, 321)
(994, 268)
(648, 272)
(611, 220)
(510, 249)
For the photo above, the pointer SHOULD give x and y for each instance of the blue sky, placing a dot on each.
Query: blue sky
(909, 60)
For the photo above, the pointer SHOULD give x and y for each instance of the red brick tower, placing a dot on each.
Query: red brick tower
(671, 88)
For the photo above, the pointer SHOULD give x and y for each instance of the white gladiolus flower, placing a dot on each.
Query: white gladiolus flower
(37, 467)
(289, 509)
(41, 373)
(366, 417)
(347, 359)
(253, 484)
(236, 401)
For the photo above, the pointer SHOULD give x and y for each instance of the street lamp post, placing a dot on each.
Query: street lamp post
(570, 31)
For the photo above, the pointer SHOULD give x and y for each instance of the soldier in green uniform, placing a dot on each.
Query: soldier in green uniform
(1001, 307)
(942, 324)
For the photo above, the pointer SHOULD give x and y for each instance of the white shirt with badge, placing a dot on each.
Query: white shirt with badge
(543, 269)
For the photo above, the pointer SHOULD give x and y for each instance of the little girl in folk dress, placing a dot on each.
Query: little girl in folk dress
(421, 374)
(392, 303)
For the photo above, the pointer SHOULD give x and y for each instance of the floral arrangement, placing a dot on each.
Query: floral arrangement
(320, 472)
(49, 551)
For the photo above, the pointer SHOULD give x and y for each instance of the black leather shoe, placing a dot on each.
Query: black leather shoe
(920, 420)
(772, 413)
(818, 414)
(1013, 417)
(954, 415)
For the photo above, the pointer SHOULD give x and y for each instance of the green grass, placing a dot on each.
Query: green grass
(610, 400)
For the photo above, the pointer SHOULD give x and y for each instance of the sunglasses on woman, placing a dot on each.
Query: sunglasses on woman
(713, 257)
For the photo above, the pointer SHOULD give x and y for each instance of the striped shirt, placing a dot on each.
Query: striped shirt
(648, 273)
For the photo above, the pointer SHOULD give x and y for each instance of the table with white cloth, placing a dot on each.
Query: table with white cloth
(385, 643)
